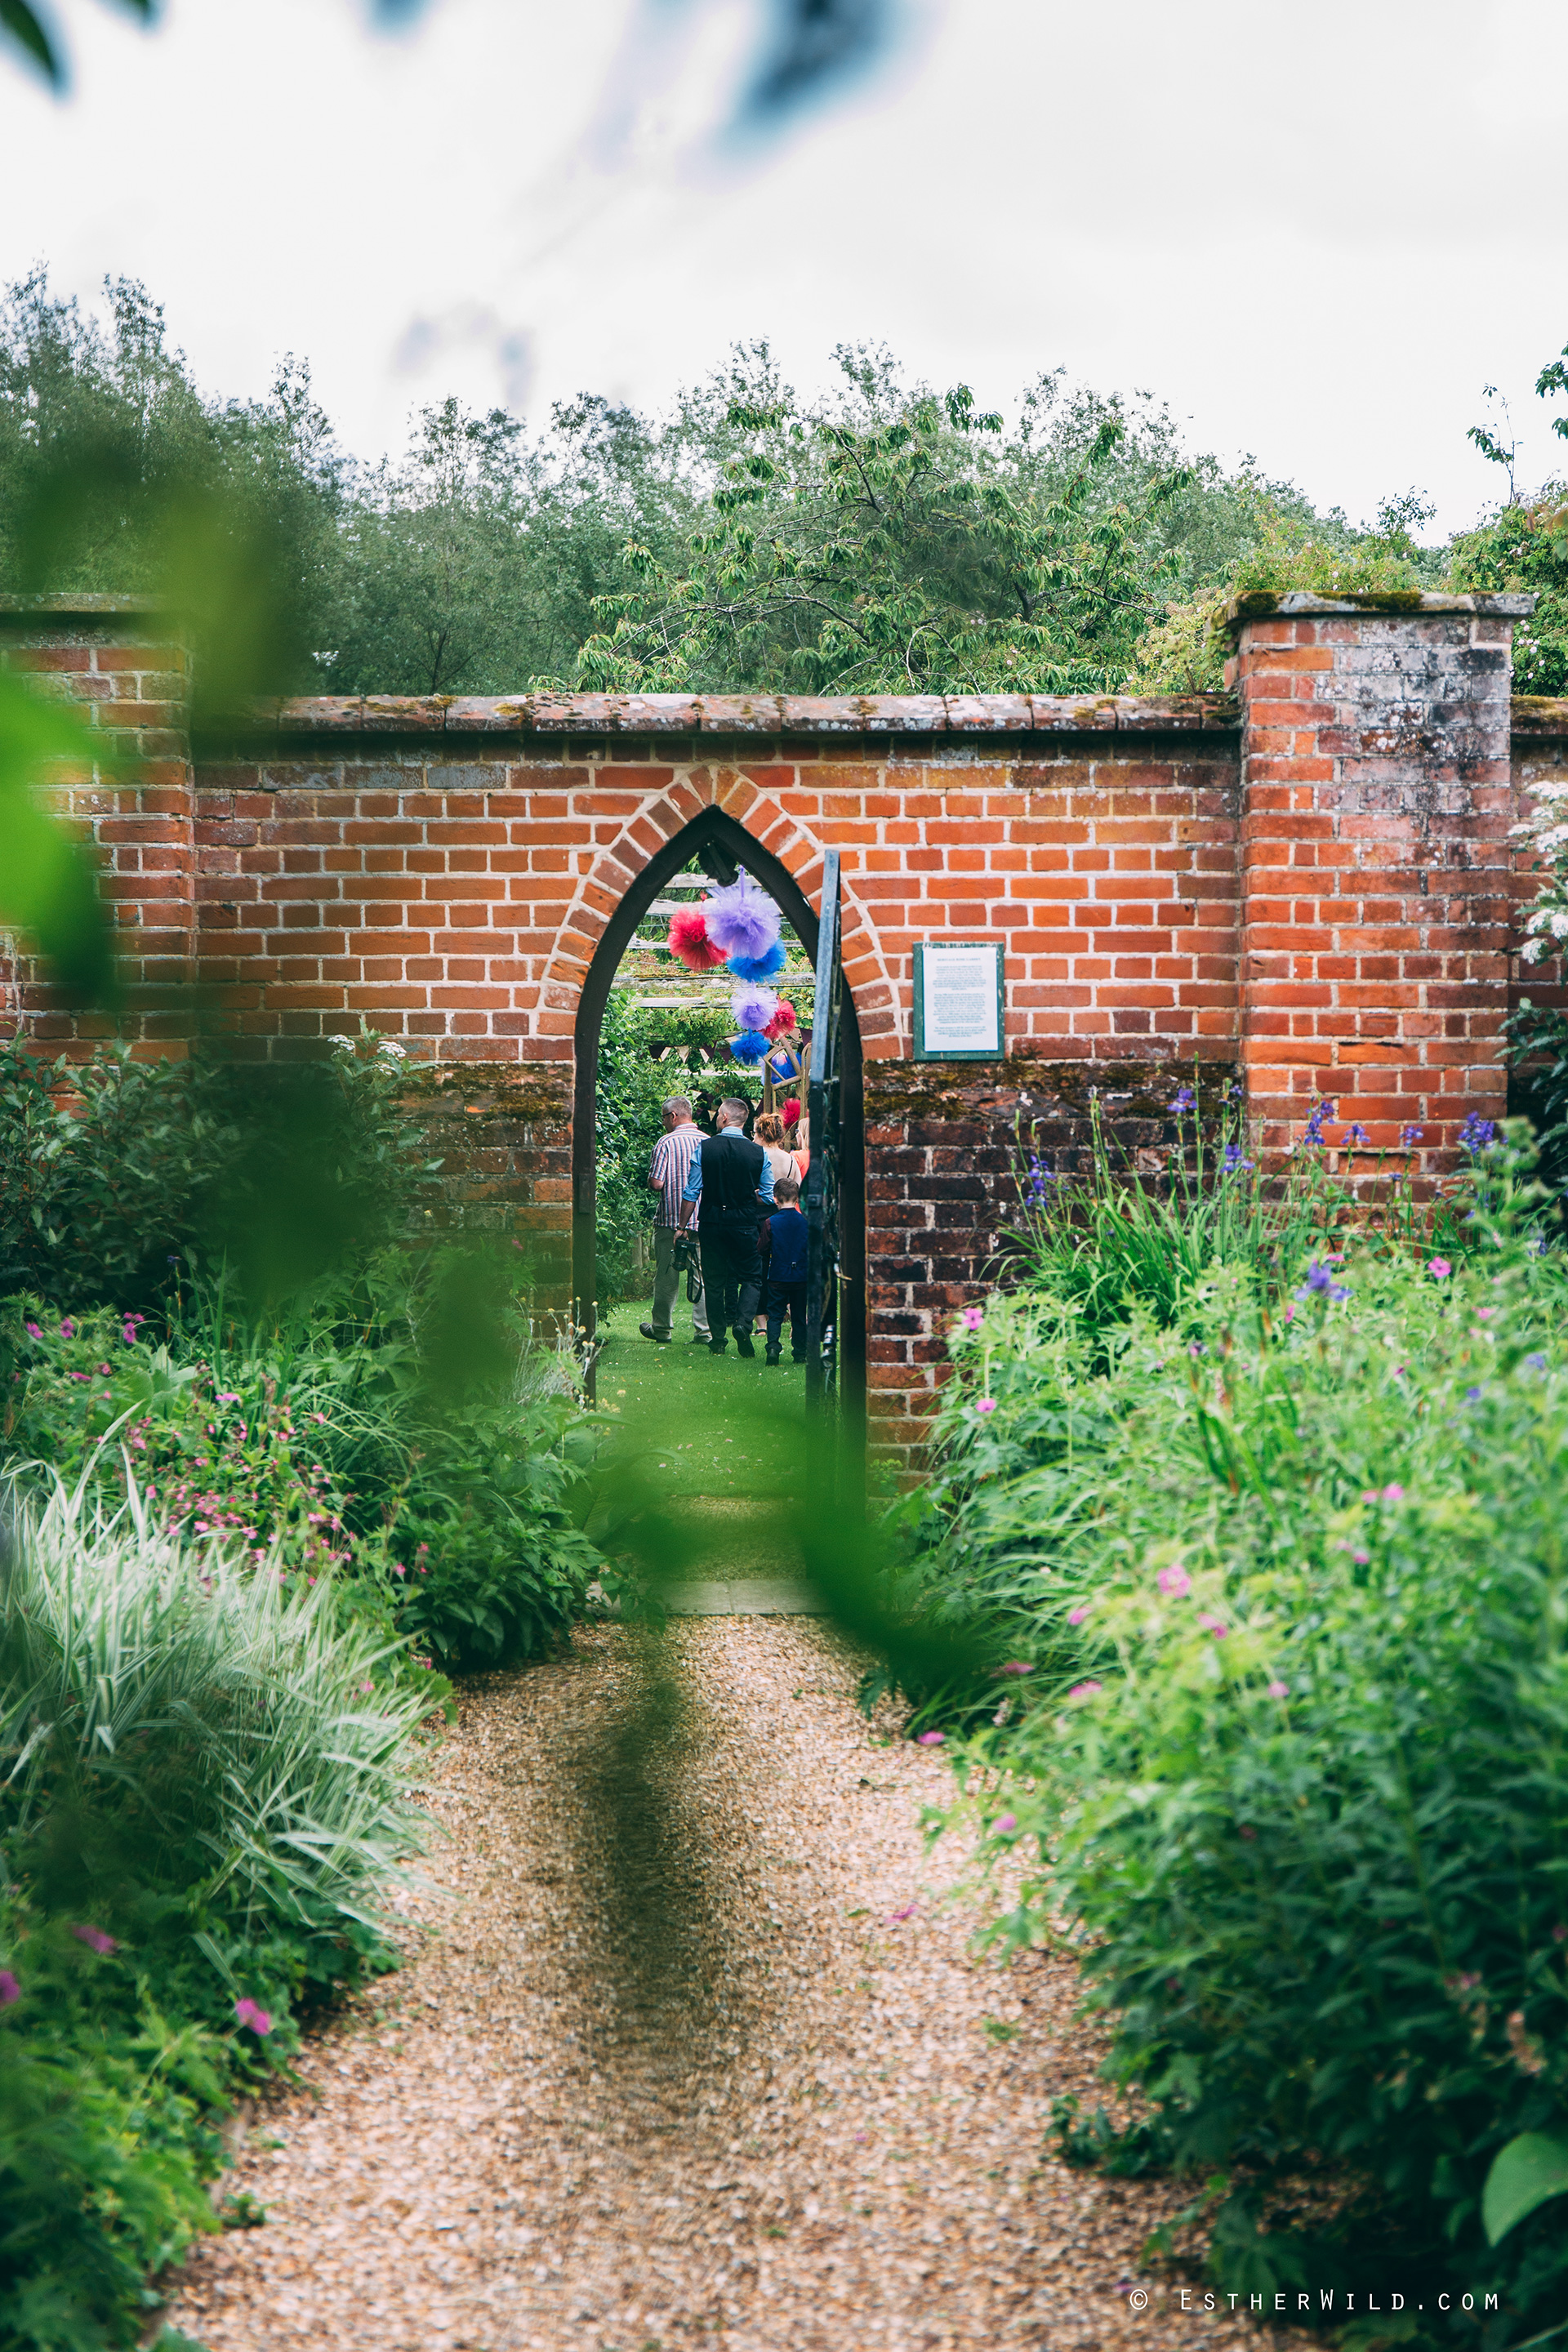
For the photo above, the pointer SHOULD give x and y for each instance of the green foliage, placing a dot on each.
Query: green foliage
(46, 880)
(1278, 1726)
(113, 1165)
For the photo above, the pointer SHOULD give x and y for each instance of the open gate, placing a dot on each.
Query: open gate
(825, 1104)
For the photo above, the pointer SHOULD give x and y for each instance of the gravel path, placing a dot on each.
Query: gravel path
(673, 2067)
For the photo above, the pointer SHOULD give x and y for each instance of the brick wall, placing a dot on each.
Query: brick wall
(447, 869)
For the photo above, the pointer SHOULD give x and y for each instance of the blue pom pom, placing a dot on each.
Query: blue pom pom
(759, 967)
(750, 1046)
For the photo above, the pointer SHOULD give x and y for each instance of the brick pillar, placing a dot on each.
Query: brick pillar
(117, 659)
(1375, 810)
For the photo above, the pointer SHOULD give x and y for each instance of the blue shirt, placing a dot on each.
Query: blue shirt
(787, 1238)
(694, 1190)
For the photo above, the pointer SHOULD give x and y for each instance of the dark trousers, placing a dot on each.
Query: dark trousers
(732, 1278)
(787, 1299)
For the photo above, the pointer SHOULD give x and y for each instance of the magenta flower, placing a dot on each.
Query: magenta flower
(35, 1331)
(94, 1939)
(908, 1911)
(1393, 1494)
(1214, 1625)
(1077, 1616)
(972, 1317)
(1085, 1690)
(1439, 1268)
(398, 1569)
(930, 1738)
(985, 1405)
(129, 1335)
(367, 1686)
(251, 2013)
(1005, 1824)
(1278, 1690)
(10, 1989)
(68, 1329)
(1016, 1666)
(1174, 1580)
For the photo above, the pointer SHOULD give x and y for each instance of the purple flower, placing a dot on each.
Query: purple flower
(1016, 1666)
(1536, 1363)
(1356, 1136)
(1005, 1824)
(930, 1738)
(1312, 1137)
(1076, 1616)
(1472, 1396)
(895, 1918)
(68, 1329)
(1183, 1101)
(1319, 1284)
(1439, 1268)
(1477, 1134)
(972, 1317)
(1278, 1690)
(251, 2013)
(94, 1939)
(984, 1404)
(1085, 1690)
(1214, 1625)
(1174, 1580)
(1235, 1165)
(1409, 1135)
(35, 1331)
(10, 1989)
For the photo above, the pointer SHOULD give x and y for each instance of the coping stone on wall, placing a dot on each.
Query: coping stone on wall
(843, 716)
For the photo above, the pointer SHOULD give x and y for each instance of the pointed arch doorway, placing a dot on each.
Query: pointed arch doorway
(724, 847)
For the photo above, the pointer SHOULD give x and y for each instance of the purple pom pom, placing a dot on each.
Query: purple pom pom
(750, 1046)
(762, 966)
(741, 920)
(754, 1008)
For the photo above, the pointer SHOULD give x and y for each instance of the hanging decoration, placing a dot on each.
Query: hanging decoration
(689, 943)
(750, 1046)
(741, 922)
(782, 1022)
(759, 967)
(792, 1111)
(754, 1008)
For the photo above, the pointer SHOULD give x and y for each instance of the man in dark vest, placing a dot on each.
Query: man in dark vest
(734, 1178)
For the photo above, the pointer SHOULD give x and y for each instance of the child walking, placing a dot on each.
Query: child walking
(785, 1251)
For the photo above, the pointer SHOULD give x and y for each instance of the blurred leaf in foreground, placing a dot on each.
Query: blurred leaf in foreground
(46, 886)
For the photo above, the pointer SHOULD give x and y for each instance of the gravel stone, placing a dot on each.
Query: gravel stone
(688, 2050)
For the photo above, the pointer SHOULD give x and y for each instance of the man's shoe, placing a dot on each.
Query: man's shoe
(773, 1355)
(716, 1347)
(743, 1341)
(649, 1333)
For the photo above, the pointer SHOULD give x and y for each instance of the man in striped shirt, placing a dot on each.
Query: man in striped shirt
(667, 1171)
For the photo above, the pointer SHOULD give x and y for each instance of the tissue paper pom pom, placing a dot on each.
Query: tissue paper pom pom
(741, 920)
(754, 1008)
(782, 1022)
(759, 967)
(689, 942)
(749, 1046)
(792, 1110)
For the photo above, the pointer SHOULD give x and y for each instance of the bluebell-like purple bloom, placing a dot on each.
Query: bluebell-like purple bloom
(1537, 1362)
(1235, 1165)
(1038, 1189)
(1183, 1101)
(1472, 1396)
(1409, 1135)
(1476, 1134)
(1320, 1284)
(1356, 1136)
(1312, 1140)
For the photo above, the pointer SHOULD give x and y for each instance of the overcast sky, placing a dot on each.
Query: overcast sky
(1316, 230)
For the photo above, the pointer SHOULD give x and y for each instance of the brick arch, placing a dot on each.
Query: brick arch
(710, 822)
(617, 869)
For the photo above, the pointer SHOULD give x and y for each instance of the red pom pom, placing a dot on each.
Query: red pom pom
(782, 1022)
(689, 942)
(791, 1112)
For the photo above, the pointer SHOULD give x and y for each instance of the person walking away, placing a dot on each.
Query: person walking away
(667, 1171)
(729, 1176)
(784, 1250)
(769, 1131)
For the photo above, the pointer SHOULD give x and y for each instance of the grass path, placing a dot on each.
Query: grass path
(687, 2052)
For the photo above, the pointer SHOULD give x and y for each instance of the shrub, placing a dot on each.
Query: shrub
(1278, 1725)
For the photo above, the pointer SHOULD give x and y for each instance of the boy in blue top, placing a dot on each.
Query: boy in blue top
(784, 1249)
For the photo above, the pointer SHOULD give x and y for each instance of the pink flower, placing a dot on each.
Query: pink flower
(908, 1911)
(1015, 1666)
(252, 2013)
(985, 1405)
(1005, 1824)
(94, 1938)
(1393, 1494)
(1289, 1311)
(1077, 1616)
(1439, 1268)
(10, 1989)
(35, 1331)
(1174, 1580)
(1361, 1558)
(108, 1369)
(972, 1317)
(227, 1396)
(1278, 1690)
(129, 1335)
(1085, 1690)
(1214, 1625)
(398, 1569)
(930, 1738)
(1485, 1313)
(68, 1329)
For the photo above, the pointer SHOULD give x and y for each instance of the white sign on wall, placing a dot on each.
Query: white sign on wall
(959, 989)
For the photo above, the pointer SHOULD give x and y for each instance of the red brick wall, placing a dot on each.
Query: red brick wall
(446, 870)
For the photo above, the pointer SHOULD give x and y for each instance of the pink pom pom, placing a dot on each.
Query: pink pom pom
(689, 942)
(782, 1022)
(792, 1110)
